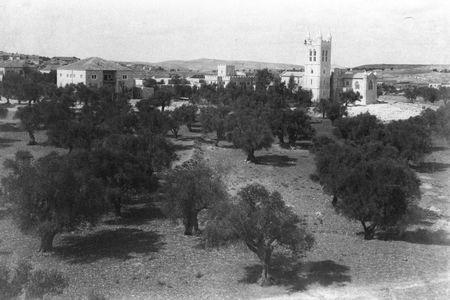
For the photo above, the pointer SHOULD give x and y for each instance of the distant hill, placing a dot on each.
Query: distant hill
(207, 65)
(401, 66)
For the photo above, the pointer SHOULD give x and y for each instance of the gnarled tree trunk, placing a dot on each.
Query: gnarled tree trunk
(369, 231)
(335, 199)
(251, 156)
(32, 138)
(190, 222)
(47, 238)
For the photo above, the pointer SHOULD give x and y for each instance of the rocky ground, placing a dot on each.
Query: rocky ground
(144, 256)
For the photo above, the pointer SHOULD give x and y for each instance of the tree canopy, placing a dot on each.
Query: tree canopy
(264, 222)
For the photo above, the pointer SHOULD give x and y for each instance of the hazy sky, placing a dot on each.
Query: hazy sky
(364, 31)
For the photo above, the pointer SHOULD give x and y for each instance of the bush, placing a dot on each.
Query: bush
(12, 282)
(36, 284)
(44, 282)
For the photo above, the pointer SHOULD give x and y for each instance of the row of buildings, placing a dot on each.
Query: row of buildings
(326, 82)
(317, 76)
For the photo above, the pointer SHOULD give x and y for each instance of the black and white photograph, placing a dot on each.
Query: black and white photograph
(239, 149)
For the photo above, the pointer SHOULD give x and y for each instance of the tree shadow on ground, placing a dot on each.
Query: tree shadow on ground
(276, 160)
(181, 147)
(439, 148)
(196, 129)
(8, 141)
(421, 216)
(117, 244)
(420, 236)
(307, 145)
(431, 167)
(10, 127)
(5, 142)
(137, 214)
(297, 276)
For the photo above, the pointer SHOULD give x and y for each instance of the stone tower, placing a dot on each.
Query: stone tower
(318, 66)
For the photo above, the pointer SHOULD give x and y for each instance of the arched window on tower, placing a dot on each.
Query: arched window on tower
(326, 55)
(323, 52)
(314, 54)
(370, 85)
(356, 85)
(310, 55)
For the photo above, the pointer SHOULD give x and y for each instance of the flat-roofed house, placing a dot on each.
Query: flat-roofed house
(96, 72)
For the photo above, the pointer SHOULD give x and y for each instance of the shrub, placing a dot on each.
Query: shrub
(13, 281)
(44, 282)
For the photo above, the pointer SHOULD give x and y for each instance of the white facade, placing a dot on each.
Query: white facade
(65, 77)
(318, 67)
(95, 72)
(226, 70)
(297, 75)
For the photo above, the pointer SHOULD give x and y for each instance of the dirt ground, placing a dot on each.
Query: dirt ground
(144, 256)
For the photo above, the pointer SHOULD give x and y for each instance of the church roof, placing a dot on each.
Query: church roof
(356, 75)
(94, 63)
(292, 73)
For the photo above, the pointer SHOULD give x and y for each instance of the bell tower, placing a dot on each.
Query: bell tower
(318, 66)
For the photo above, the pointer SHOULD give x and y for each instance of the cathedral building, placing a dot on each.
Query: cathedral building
(326, 82)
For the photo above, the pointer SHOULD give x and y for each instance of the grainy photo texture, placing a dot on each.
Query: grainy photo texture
(240, 149)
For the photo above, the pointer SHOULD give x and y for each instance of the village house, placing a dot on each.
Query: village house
(96, 72)
(227, 74)
(13, 66)
(296, 75)
(196, 80)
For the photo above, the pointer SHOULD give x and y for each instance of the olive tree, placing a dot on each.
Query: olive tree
(250, 132)
(264, 222)
(49, 195)
(377, 193)
(30, 119)
(215, 119)
(191, 188)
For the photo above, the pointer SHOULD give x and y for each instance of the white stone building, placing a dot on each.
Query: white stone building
(327, 83)
(96, 72)
(227, 74)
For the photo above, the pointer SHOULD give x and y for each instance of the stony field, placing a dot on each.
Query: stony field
(144, 256)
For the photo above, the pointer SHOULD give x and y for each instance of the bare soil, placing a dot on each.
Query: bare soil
(145, 256)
